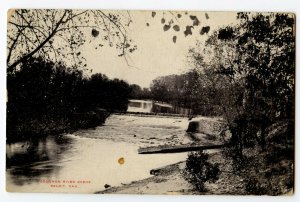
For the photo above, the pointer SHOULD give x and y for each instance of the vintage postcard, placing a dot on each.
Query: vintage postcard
(150, 102)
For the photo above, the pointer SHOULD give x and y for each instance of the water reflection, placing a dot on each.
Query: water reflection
(32, 159)
(90, 159)
(92, 155)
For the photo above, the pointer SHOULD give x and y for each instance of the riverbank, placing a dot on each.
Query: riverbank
(169, 180)
(269, 172)
(34, 129)
(113, 148)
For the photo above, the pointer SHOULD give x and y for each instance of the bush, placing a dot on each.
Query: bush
(198, 170)
(255, 187)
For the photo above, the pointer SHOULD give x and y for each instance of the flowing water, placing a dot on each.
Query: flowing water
(82, 163)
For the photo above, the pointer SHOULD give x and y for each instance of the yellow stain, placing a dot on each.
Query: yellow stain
(121, 161)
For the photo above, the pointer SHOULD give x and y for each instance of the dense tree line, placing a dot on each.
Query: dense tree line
(255, 61)
(140, 93)
(247, 69)
(250, 68)
(45, 96)
(188, 90)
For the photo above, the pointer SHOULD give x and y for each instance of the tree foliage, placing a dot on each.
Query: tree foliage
(177, 22)
(45, 95)
(56, 35)
(138, 93)
(255, 62)
(111, 95)
(188, 90)
(199, 170)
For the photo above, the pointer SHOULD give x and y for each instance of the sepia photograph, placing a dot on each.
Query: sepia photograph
(150, 102)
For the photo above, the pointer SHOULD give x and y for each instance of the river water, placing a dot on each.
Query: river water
(85, 161)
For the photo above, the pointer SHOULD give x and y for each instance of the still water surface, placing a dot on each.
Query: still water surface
(76, 158)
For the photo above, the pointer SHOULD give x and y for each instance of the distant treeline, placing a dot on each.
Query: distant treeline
(187, 90)
(46, 97)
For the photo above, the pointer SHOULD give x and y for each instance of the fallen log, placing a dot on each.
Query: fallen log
(177, 148)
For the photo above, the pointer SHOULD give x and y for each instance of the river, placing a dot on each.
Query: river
(83, 162)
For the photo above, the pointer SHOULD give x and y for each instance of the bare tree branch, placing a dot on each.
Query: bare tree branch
(12, 67)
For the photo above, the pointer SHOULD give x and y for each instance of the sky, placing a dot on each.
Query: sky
(156, 54)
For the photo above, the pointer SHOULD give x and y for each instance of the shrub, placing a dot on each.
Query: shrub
(198, 170)
(255, 187)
